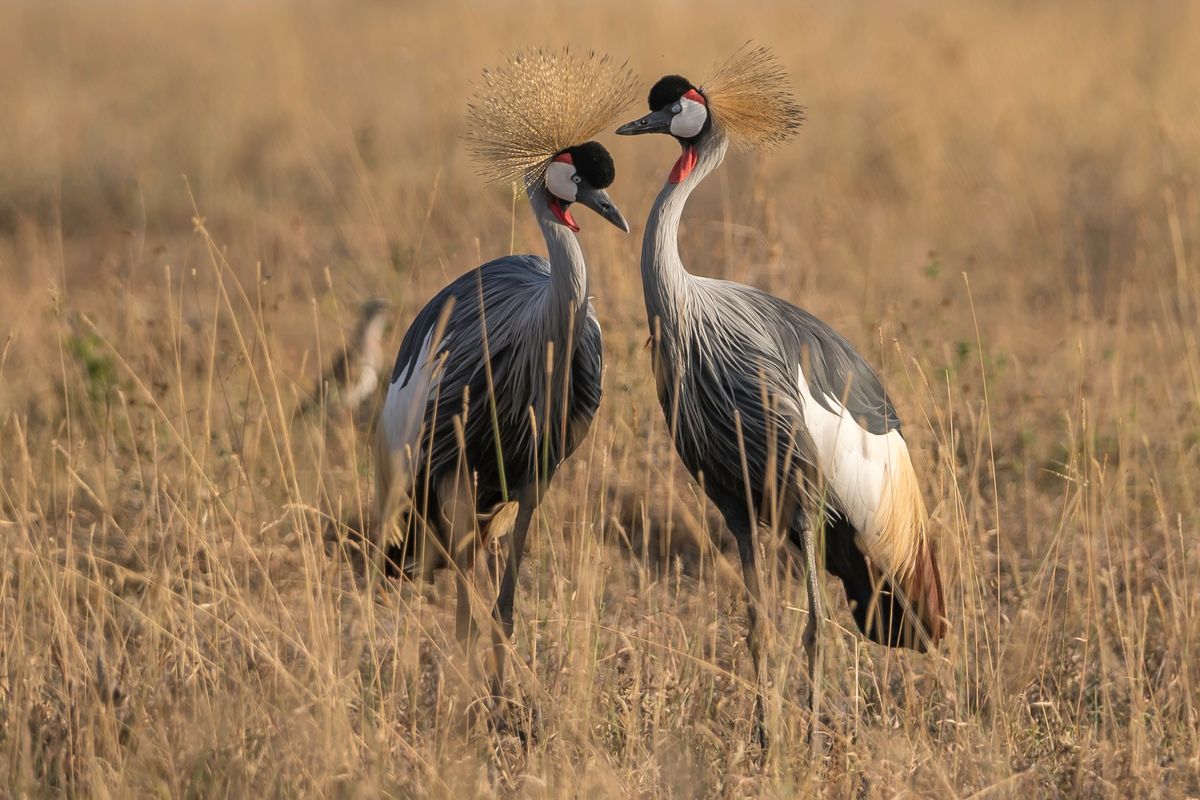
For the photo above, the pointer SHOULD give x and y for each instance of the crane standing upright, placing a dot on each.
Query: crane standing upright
(498, 378)
(772, 411)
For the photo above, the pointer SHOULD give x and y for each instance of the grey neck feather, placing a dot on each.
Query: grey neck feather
(665, 282)
(567, 300)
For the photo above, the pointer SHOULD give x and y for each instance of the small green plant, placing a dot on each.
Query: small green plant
(933, 267)
(99, 371)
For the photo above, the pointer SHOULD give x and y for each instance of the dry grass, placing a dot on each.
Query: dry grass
(999, 206)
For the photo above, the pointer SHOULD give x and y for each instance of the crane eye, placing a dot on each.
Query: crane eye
(576, 178)
(675, 109)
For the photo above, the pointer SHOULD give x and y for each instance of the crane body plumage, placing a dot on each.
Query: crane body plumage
(545, 358)
(756, 391)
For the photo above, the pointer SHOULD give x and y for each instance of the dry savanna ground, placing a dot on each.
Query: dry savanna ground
(998, 205)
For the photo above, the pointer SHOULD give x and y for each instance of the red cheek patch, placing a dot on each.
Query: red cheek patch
(692, 94)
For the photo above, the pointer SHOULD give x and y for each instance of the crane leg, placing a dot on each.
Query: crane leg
(812, 629)
(462, 559)
(502, 614)
(464, 621)
(454, 535)
(756, 636)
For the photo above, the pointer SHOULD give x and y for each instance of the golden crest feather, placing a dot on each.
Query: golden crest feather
(538, 103)
(751, 99)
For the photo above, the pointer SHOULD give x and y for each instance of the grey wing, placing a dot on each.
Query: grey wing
(441, 359)
(743, 386)
(866, 466)
(835, 372)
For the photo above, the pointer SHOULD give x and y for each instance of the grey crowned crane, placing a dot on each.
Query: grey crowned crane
(498, 378)
(772, 411)
(353, 375)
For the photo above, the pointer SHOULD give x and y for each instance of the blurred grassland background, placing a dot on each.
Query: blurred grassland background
(997, 204)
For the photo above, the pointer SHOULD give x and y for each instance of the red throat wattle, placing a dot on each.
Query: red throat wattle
(563, 214)
(686, 163)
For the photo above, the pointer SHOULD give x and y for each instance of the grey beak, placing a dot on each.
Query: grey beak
(597, 200)
(654, 122)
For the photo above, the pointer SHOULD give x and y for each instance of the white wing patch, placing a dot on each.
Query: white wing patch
(870, 478)
(404, 411)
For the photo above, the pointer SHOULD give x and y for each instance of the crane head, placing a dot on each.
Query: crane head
(748, 101)
(679, 108)
(581, 174)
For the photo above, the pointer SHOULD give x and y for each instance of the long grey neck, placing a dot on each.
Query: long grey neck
(566, 302)
(665, 282)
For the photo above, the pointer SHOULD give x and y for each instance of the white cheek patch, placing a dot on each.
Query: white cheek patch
(558, 180)
(690, 119)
